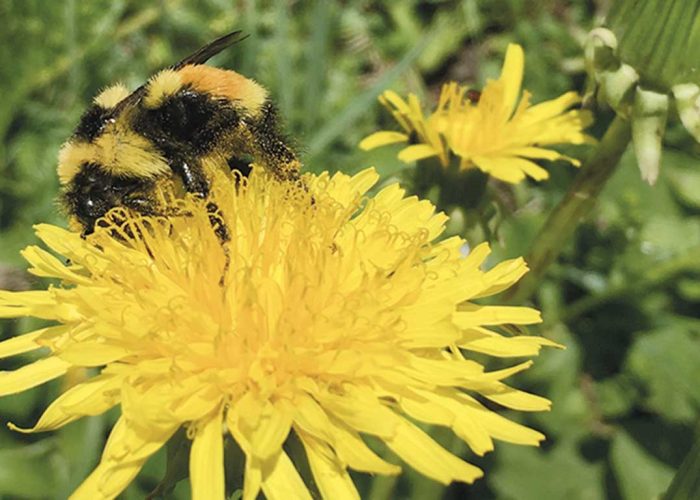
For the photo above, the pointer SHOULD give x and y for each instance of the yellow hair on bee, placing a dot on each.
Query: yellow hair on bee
(118, 150)
(161, 86)
(70, 158)
(126, 153)
(225, 84)
(111, 96)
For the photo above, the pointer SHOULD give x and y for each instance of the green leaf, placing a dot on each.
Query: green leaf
(686, 482)
(685, 182)
(28, 472)
(80, 445)
(532, 474)
(667, 362)
(616, 396)
(639, 474)
(689, 289)
(177, 468)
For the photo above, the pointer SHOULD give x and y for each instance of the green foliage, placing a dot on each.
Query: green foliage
(624, 297)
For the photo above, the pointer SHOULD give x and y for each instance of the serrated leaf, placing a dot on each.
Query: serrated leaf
(638, 473)
(667, 363)
(532, 474)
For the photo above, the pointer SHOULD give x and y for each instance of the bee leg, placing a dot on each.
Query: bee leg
(222, 232)
(195, 182)
(192, 176)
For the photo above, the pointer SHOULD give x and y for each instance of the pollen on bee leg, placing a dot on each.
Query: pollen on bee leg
(111, 96)
(161, 86)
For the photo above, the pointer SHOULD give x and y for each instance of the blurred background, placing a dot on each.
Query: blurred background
(624, 297)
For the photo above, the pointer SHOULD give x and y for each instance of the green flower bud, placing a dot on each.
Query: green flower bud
(649, 117)
(648, 51)
(687, 96)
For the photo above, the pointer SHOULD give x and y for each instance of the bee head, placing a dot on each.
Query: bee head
(93, 192)
(104, 137)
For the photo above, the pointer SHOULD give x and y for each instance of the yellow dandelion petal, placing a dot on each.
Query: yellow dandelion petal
(517, 400)
(471, 315)
(419, 450)
(493, 344)
(512, 75)
(382, 138)
(23, 343)
(46, 265)
(93, 397)
(500, 427)
(95, 353)
(443, 407)
(417, 152)
(126, 450)
(331, 476)
(32, 375)
(396, 101)
(353, 451)
(207, 460)
(501, 276)
(360, 411)
(550, 109)
(424, 131)
(258, 426)
(252, 477)
(329, 313)
(40, 304)
(283, 482)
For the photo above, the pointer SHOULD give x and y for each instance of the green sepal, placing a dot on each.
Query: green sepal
(687, 98)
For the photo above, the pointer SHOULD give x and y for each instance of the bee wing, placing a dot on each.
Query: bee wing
(211, 49)
(200, 56)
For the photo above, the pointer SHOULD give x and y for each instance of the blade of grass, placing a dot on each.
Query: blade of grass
(354, 110)
(249, 56)
(316, 62)
(686, 482)
(283, 59)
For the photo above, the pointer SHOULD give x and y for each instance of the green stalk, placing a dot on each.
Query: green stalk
(663, 273)
(686, 483)
(575, 206)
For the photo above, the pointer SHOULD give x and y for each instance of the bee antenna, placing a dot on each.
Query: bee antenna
(211, 49)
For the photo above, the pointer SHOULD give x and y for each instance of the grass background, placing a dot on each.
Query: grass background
(624, 297)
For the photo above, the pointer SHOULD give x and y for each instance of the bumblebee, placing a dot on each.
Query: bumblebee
(184, 121)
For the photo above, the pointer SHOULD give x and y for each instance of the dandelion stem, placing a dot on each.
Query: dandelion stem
(575, 205)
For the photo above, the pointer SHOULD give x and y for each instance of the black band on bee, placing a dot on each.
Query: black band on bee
(92, 123)
(186, 119)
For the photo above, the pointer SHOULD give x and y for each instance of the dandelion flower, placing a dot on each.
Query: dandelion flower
(499, 132)
(329, 313)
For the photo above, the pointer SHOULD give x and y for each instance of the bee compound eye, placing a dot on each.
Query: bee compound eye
(93, 207)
